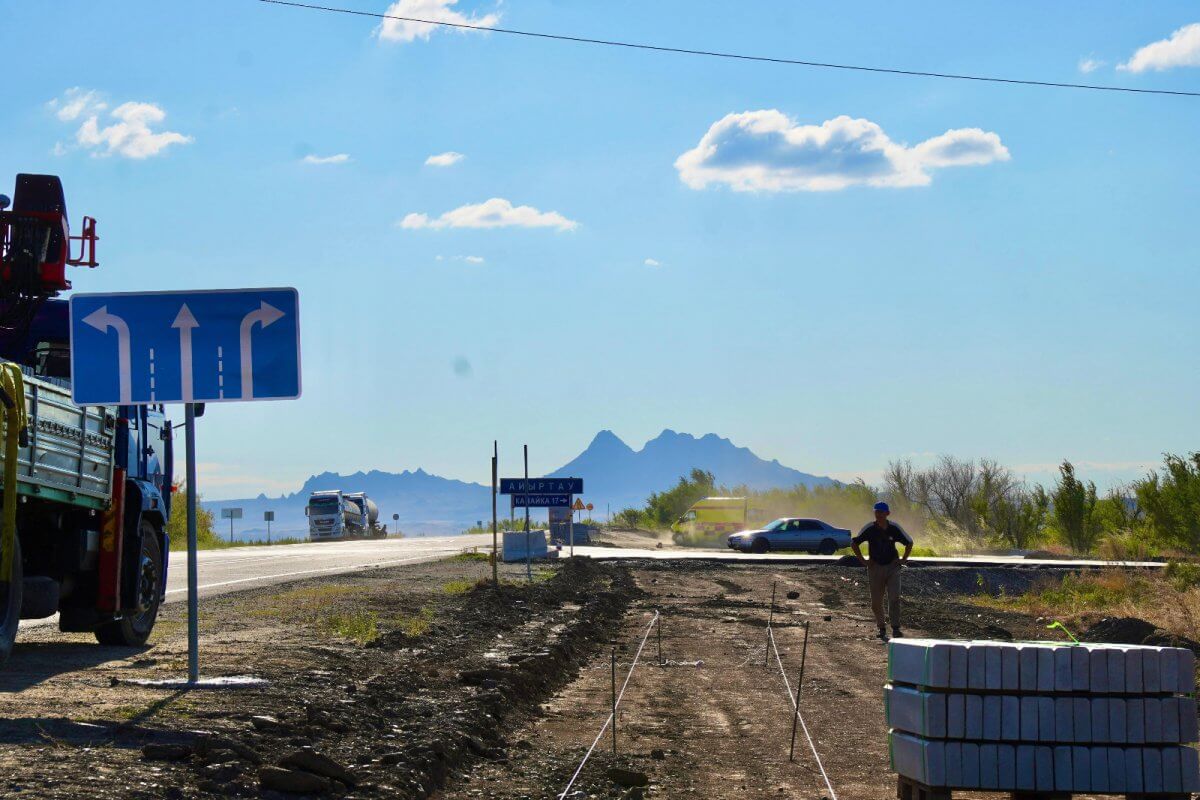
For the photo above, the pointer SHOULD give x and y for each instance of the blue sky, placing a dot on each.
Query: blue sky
(831, 294)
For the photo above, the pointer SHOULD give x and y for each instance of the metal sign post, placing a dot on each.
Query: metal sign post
(528, 555)
(268, 517)
(231, 514)
(189, 437)
(495, 555)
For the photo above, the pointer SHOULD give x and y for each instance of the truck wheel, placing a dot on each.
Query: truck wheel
(134, 629)
(828, 547)
(760, 546)
(10, 612)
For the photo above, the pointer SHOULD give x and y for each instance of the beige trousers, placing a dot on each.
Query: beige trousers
(885, 578)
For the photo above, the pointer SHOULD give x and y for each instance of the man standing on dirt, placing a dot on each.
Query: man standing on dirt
(883, 570)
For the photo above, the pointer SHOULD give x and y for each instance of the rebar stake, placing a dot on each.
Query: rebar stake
(614, 700)
(658, 615)
(799, 683)
(770, 619)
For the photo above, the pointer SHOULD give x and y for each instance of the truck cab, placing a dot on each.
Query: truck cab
(330, 516)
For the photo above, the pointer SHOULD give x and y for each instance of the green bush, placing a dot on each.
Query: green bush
(1183, 575)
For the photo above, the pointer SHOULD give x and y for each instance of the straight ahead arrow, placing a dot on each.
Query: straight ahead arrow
(185, 321)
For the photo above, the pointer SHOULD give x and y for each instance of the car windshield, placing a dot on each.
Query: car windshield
(776, 525)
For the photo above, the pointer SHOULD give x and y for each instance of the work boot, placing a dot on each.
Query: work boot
(883, 637)
(896, 632)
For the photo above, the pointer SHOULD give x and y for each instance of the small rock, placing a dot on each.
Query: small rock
(391, 758)
(223, 773)
(627, 777)
(658, 754)
(793, 595)
(166, 752)
(291, 780)
(828, 617)
(312, 761)
(266, 722)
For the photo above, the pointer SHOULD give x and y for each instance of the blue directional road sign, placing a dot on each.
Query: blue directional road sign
(541, 486)
(541, 500)
(182, 347)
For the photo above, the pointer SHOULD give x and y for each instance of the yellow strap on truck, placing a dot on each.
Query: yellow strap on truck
(13, 385)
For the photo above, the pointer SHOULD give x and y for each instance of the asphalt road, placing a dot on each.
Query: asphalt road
(241, 568)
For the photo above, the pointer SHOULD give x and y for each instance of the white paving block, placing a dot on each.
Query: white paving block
(1006, 767)
(1135, 720)
(1044, 771)
(920, 662)
(1026, 761)
(920, 759)
(1027, 667)
(953, 756)
(976, 666)
(1029, 718)
(916, 711)
(970, 765)
(1099, 708)
(1047, 719)
(1010, 668)
(1081, 769)
(1117, 726)
(1080, 668)
(1064, 776)
(1189, 769)
(1081, 725)
(1188, 723)
(1116, 670)
(989, 766)
(1010, 718)
(1170, 718)
(993, 722)
(1172, 778)
(1064, 719)
(1152, 770)
(1150, 670)
(1098, 669)
(1153, 725)
(1047, 665)
(1134, 781)
(993, 659)
(956, 716)
(1133, 670)
(1116, 769)
(1098, 761)
(974, 717)
(959, 666)
(1062, 669)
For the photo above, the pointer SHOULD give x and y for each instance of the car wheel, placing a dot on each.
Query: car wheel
(828, 547)
(760, 546)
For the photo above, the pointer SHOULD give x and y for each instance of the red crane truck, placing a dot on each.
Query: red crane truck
(87, 491)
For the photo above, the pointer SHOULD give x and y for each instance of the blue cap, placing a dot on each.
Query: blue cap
(881, 506)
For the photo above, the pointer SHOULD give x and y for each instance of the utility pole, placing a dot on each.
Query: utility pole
(189, 434)
(528, 556)
(495, 555)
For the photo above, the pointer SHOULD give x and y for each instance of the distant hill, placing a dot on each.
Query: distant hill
(614, 474)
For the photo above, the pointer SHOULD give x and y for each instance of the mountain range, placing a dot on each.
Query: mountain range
(615, 477)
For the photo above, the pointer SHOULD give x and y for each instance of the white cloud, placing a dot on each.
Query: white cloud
(473, 259)
(768, 151)
(337, 158)
(650, 262)
(404, 30)
(494, 213)
(1087, 65)
(127, 131)
(76, 102)
(447, 159)
(1182, 49)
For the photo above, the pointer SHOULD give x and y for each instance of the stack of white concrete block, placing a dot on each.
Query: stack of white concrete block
(1043, 717)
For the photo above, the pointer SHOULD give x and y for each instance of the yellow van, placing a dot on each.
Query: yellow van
(713, 515)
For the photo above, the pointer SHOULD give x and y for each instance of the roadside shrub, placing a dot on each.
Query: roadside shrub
(1182, 575)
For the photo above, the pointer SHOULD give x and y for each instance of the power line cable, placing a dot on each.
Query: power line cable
(733, 56)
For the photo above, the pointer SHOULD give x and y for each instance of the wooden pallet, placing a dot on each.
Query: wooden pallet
(908, 789)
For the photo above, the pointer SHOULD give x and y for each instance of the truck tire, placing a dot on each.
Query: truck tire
(134, 629)
(10, 613)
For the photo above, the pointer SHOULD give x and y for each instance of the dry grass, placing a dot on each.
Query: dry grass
(416, 625)
(1168, 599)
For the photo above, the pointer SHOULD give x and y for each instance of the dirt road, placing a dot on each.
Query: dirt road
(715, 721)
